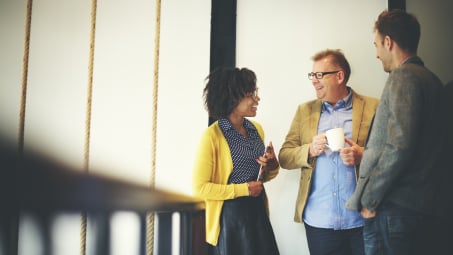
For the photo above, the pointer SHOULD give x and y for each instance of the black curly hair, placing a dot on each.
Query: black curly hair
(225, 87)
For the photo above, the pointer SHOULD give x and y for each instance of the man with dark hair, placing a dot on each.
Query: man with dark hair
(397, 191)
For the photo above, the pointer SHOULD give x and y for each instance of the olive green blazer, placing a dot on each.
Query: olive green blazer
(294, 151)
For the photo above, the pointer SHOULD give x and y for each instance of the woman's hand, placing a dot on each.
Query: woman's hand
(255, 188)
(269, 160)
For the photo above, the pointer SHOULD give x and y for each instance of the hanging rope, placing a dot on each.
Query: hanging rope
(23, 98)
(90, 86)
(86, 156)
(150, 216)
(83, 233)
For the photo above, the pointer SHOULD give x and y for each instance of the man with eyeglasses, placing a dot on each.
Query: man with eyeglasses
(328, 178)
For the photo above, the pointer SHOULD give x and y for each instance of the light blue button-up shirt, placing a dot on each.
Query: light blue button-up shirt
(332, 181)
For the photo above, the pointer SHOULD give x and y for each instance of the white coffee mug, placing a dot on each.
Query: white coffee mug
(335, 138)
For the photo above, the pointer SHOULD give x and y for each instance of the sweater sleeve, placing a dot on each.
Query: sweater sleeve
(211, 170)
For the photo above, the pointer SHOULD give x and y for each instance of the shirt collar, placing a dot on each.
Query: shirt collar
(226, 125)
(343, 103)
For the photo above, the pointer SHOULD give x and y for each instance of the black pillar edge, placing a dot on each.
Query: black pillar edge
(397, 4)
(223, 35)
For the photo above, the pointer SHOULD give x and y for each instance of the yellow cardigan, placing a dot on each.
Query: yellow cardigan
(213, 166)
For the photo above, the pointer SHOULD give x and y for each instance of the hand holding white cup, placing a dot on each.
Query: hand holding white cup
(335, 138)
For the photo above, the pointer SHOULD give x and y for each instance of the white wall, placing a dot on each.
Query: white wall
(274, 38)
(57, 79)
(12, 18)
(122, 99)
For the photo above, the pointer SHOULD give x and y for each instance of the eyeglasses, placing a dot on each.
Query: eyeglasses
(319, 75)
(253, 94)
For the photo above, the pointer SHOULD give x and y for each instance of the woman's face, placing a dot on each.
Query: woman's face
(248, 105)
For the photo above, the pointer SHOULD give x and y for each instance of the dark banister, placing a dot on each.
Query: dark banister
(33, 183)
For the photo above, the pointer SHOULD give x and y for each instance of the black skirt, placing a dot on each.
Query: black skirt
(245, 228)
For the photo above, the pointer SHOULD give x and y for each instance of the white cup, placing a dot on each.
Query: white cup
(335, 138)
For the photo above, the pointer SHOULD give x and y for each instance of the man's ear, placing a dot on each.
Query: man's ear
(388, 42)
(340, 76)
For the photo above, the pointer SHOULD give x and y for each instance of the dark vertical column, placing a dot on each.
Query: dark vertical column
(9, 231)
(164, 233)
(223, 35)
(101, 233)
(185, 230)
(143, 222)
(45, 232)
(199, 245)
(397, 4)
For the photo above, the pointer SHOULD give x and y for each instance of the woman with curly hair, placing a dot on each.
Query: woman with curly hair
(230, 158)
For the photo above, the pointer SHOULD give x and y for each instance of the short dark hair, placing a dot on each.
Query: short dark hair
(337, 58)
(401, 26)
(225, 87)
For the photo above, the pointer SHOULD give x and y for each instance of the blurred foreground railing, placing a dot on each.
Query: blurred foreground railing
(37, 186)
